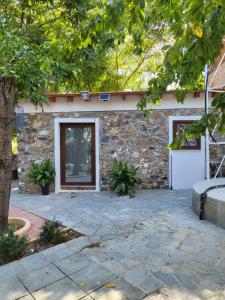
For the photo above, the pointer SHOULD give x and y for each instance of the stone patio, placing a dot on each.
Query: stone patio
(149, 247)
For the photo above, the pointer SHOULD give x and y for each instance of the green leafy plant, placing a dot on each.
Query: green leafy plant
(42, 174)
(11, 248)
(52, 233)
(123, 178)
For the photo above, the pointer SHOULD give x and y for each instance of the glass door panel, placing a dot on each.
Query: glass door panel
(77, 154)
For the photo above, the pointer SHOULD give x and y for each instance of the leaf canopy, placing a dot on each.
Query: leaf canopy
(67, 45)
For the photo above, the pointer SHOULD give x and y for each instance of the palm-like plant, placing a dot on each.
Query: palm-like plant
(123, 178)
(43, 174)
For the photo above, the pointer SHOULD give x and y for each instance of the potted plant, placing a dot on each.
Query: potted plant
(123, 178)
(43, 174)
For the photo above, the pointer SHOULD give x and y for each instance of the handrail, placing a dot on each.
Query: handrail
(214, 75)
(219, 167)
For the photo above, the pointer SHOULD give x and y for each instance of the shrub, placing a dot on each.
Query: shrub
(11, 248)
(123, 178)
(42, 173)
(52, 233)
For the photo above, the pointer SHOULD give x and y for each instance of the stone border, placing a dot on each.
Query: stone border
(23, 222)
(214, 207)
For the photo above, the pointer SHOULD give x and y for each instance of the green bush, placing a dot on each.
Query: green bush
(42, 173)
(123, 178)
(51, 233)
(11, 248)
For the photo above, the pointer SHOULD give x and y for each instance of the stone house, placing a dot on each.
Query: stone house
(83, 133)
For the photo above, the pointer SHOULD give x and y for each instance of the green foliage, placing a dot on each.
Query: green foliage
(52, 233)
(45, 46)
(216, 116)
(22, 62)
(11, 248)
(42, 173)
(123, 178)
(109, 45)
(71, 46)
(187, 134)
(196, 29)
(191, 36)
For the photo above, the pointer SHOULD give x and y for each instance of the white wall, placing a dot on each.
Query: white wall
(115, 103)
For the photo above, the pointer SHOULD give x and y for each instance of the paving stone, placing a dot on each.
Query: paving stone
(171, 242)
(115, 267)
(167, 279)
(28, 297)
(189, 281)
(63, 289)
(10, 269)
(122, 291)
(74, 263)
(158, 295)
(213, 278)
(174, 294)
(143, 279)
(158, 241)
(36, 279)
(78, 244)
(92, 277)
(33, 261)
(57, 252)
(11, 288)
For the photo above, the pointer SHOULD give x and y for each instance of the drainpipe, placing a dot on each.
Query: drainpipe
(207, 171)
(203, 196)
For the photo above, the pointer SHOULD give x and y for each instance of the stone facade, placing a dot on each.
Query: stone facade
(125, 135)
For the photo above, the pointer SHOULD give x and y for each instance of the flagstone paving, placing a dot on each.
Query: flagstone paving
(149, 247)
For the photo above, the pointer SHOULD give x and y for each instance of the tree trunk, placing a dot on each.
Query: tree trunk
(6, 119)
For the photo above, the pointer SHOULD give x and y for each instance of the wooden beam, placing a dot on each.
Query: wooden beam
(52, 99)
(197, 94)
(213, 95)
(77, 188)
(69, 98)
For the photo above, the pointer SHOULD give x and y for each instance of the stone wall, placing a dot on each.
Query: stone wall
(125, 135)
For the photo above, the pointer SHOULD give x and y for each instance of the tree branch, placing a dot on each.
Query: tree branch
(147, 49)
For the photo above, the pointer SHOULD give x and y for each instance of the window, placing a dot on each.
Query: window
(190, 144)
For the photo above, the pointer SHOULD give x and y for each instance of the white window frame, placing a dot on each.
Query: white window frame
(57, 123)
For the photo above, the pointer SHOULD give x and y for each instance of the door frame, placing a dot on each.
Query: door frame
(57, 151)
(171, 119)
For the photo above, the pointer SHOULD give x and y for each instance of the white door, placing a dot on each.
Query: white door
(187, 165)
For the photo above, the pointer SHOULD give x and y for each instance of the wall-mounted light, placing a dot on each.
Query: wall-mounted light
(85, 95)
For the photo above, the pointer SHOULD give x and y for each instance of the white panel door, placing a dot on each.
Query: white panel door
(187, 165)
